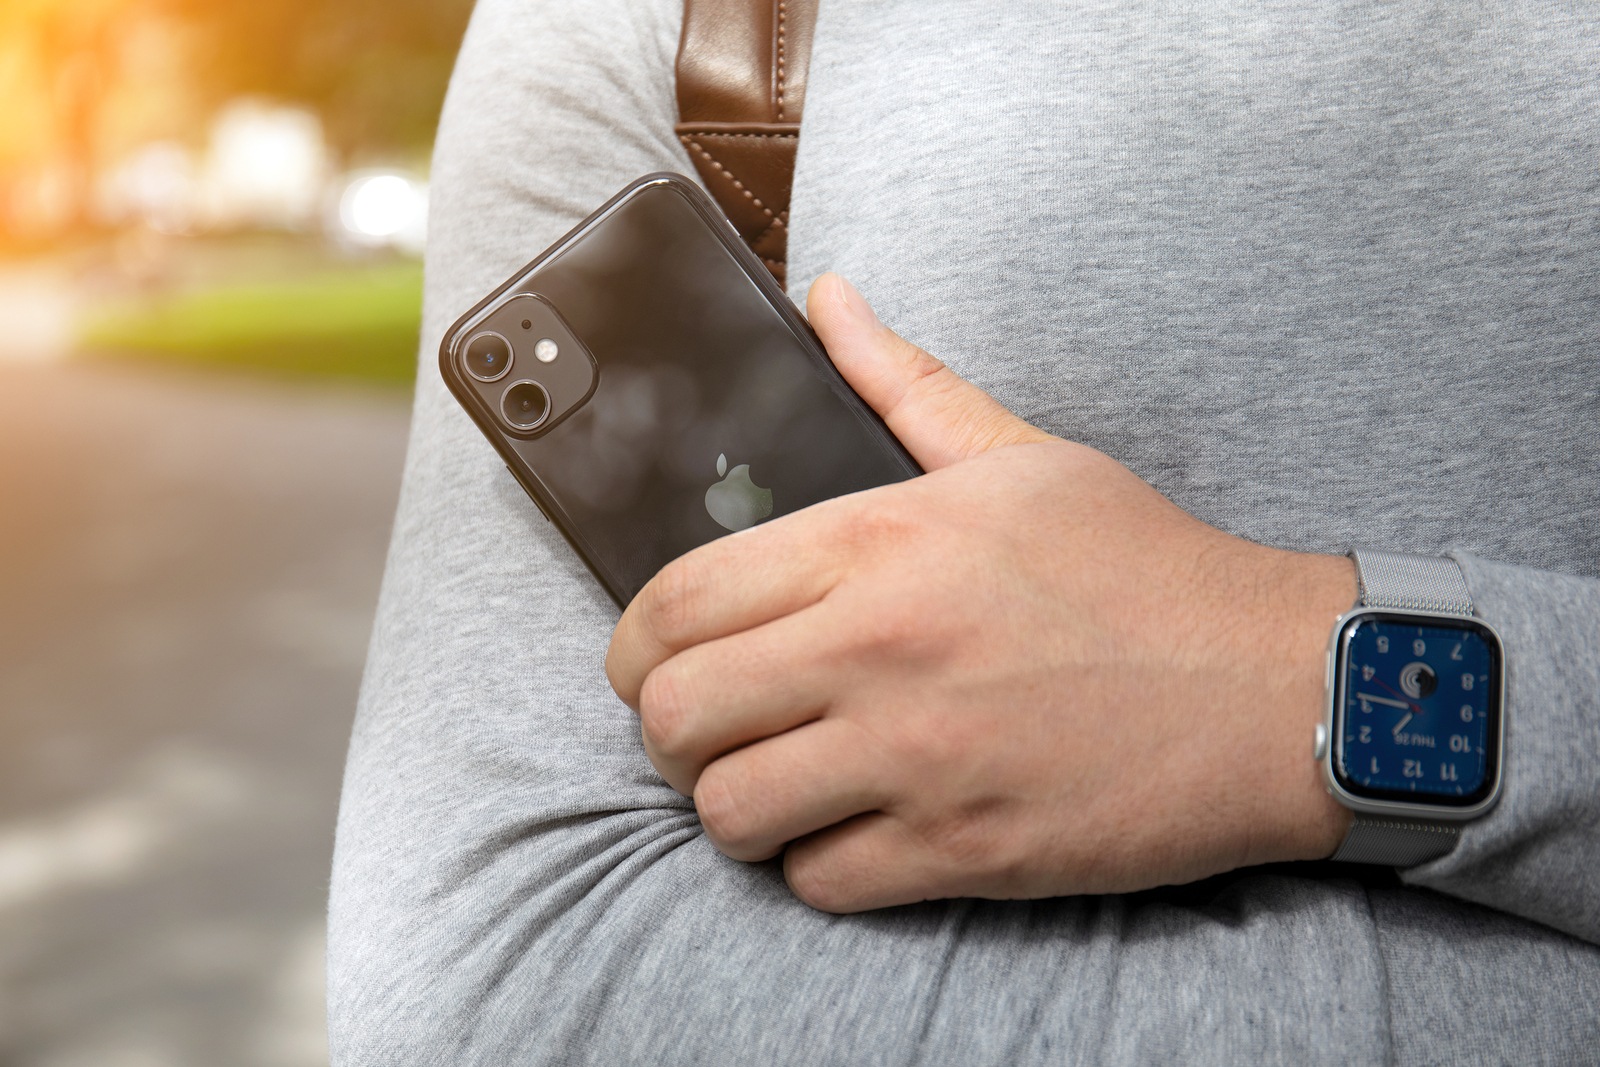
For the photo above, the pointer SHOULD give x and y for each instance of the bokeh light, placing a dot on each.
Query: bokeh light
(211, 220)
(379, 209)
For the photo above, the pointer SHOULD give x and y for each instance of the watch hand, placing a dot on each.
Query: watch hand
(1369, 698)
(1401, 724)
(1396, 692)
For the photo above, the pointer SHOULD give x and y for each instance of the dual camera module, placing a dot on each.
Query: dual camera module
(527, 367)
(522, 366)
(524, 404)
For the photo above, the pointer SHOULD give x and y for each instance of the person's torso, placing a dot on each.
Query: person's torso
(1325, 274)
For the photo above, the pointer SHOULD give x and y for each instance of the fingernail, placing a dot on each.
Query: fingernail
(856, 303)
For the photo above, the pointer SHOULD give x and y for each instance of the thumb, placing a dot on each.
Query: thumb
(939, 416)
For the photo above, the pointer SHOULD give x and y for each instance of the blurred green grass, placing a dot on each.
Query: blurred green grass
(346, 322)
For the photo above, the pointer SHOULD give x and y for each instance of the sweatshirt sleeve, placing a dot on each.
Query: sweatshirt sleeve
(513, 883)
(1537, 854)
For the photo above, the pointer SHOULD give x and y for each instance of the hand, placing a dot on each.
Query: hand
(1024, 674)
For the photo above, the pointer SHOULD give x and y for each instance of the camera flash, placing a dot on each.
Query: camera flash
(546, 351)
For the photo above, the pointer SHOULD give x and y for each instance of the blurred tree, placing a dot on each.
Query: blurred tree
(59, 64)
(374, 69)
(85, 80)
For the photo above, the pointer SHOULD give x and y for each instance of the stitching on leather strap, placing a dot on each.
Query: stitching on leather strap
(715, 133)
(782, 11)
(777, 220)
(725, 172)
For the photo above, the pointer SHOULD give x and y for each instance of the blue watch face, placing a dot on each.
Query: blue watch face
(1418, 709)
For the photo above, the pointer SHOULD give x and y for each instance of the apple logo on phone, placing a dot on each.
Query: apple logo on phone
(736, 502)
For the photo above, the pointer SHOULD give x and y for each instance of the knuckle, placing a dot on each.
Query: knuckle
(899, 630)
(816, 882)
(671, 602)
(928, 746)
(938, 388)
(961, 844)
(621, 678)
(920, 364)
(971, 847)
(725, 812)
(666, 711)
(876, 522)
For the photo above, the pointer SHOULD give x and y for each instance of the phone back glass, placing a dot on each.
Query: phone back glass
(699, 357)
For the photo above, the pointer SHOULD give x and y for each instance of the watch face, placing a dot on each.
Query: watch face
(1417, 709)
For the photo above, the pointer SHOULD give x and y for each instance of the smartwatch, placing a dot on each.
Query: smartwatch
(1415, 727)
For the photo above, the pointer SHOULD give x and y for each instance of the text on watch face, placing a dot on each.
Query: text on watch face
(1417, 703)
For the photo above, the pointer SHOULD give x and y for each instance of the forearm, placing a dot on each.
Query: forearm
(1537, 854)
(513, 882)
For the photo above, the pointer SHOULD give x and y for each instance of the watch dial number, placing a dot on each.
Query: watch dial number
(1417, 708)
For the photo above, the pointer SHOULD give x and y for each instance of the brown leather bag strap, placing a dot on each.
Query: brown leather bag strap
(741, 89)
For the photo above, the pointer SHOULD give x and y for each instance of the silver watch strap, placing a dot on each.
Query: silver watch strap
(1408, 583)
(1411, 583)
(1396, 842)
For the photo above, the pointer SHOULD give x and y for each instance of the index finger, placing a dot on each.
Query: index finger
(725, 587)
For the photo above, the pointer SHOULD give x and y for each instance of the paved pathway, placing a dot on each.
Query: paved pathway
(188, 569)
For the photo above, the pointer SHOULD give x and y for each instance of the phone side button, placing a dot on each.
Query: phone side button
(531, 497)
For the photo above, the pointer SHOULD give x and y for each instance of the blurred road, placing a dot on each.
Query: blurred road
(188, 570)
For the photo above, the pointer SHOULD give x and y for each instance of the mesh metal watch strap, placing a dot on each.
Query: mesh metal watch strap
(1411, 583)
(1396, 842)
(1407, 583)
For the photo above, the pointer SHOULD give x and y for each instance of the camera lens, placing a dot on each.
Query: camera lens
(525, 405)
(488, 357)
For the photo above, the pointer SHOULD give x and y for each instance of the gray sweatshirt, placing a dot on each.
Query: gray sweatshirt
(1326, 274)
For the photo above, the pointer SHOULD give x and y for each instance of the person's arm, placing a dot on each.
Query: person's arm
(1537, 854)
(1024, 674)
(513, 882)
(1027, 674)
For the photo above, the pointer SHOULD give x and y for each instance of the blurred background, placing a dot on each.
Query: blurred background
(211, 220)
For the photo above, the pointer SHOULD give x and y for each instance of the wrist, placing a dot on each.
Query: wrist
(1308, 594)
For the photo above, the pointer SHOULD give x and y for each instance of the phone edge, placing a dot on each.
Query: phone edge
(753, 268)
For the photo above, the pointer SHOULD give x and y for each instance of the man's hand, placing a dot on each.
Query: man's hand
(1024, 674)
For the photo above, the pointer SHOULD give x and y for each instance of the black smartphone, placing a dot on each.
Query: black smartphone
(651, 387)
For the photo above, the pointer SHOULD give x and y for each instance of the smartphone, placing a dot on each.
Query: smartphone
(651, 387)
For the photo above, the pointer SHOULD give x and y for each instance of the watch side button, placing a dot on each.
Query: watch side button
(1320, 747)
